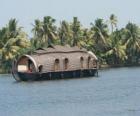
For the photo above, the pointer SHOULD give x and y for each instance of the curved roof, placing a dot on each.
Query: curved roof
(58, 48)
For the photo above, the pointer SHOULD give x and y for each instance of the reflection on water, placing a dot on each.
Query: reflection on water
(115, 93)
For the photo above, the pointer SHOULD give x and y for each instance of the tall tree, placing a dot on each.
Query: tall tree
(132, 40)
(13, 42)
(113, 22)
(38, 30)
(64, 32)
(76, 30)
(37, 40)
(49, 29)
(87, 41)
(117, 51)
(12, 28)
(100, 34)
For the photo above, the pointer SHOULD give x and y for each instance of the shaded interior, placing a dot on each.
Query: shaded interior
(25, 64)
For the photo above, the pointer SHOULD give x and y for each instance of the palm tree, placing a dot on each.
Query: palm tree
(64, 33)
(87, 41)
(76, 30)
(37, 40)
(49, 30)
(13, 48)
(117, 52)
(37, 28)
(12, 28)
(13, 43)
(132, 40)
(3, 36)
(113, 22)
(100, 36)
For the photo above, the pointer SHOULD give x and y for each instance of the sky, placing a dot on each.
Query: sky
(26, 11)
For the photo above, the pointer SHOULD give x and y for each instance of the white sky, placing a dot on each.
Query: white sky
(25, 11)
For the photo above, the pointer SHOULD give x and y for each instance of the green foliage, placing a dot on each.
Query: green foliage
(64, 33)
(100, 36)
(117, 52)
(76, 31)
(44, 32)
(115, 46)
(13, 42)
(113, 21)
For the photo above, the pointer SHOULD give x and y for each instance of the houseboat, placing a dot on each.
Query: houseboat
(55, 62)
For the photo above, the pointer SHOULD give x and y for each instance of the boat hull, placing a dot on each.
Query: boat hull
(24, 76)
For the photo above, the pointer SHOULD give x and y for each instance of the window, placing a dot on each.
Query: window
(56, 65)
(82, 62)
(40, 68)
(88, 62)
(31, 67)
(94, 63)
(66, 61)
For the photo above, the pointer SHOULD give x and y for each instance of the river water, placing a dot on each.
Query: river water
(116, 92)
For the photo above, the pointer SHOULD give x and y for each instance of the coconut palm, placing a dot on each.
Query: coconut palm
(64, 32)
(49, 30)
(38, 30)
(113, 21)
(117, 52)
(76, 30)
(3, 36)
(37, 40)
(100, 36)
(132, 40)
(87, 41)
(10, 31)
(12, 28)
(12, 47)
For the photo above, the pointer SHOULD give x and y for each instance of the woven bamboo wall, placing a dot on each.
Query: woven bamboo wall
(74, 62)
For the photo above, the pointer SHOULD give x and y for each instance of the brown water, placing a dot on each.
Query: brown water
(116, 92)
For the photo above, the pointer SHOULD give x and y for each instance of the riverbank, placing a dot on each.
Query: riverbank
(4, 71)
(1, 71)
(103, 66)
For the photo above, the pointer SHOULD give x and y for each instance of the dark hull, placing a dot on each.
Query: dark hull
(56, 75)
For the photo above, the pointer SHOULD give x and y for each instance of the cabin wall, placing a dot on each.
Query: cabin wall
(74, 62)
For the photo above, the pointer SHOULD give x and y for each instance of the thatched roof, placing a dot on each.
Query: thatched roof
(59, 49)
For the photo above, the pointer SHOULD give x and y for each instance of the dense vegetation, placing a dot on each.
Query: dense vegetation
(113, 46)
